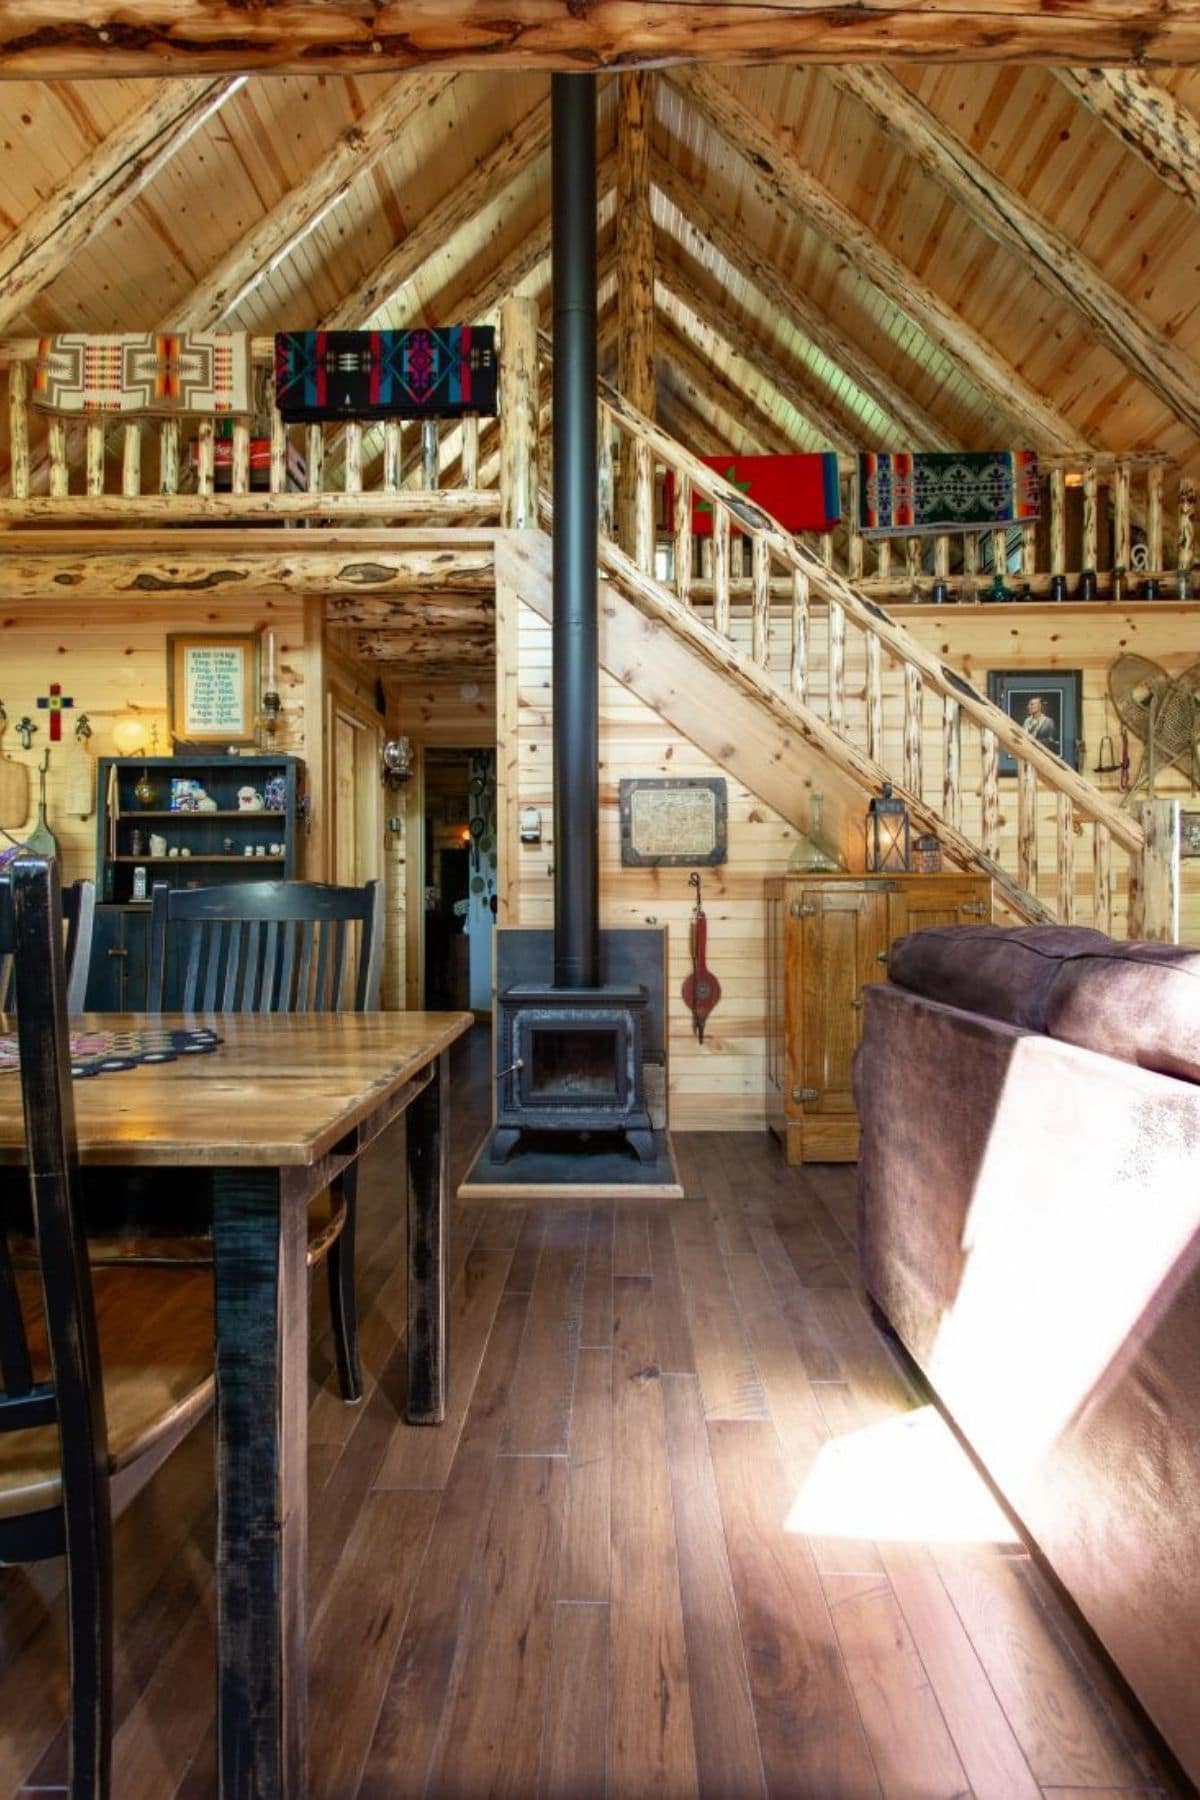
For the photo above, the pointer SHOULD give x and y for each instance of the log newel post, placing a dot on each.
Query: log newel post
(1154, 873)
(518, 414)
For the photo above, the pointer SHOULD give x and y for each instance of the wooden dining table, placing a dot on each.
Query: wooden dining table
(270, 1117)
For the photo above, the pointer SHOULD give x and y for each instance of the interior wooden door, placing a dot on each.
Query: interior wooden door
(356, 797)
(842, 932)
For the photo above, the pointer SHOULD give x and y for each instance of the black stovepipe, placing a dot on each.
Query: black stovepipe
(576, 643)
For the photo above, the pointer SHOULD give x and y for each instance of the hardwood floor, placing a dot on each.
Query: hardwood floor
(688, 1529)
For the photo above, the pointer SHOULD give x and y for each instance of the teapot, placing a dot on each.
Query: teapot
(249, 800)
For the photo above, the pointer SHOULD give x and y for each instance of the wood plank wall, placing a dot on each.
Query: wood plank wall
(111, 659)
(720, 1084)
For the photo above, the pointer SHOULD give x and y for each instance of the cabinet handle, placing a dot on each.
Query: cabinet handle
(856, 1006)
(881, 956)
(800, 1094)
(118, 950)
(975, 908)
(803, 909)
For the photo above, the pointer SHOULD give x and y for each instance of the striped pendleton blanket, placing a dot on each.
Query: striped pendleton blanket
(150, 372)
(429, 373)
(905, 491)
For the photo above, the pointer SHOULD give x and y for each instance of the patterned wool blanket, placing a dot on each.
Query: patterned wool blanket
(148, 372)
(437, 373)
(905, 491)
(802, 493)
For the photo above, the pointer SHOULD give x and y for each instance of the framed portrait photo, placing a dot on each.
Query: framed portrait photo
(212, 690)
(1046, 703)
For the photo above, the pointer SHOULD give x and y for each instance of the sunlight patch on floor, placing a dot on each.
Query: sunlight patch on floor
(904, 1480)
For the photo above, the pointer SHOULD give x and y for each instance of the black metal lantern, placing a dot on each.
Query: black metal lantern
(887, 834)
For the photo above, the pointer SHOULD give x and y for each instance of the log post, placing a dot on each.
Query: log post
(837, 666)
(393, 456)
(470, 452)
(684, 541)
(56, 440)
(604, 470)
(874, 698)
(278, 476)
(315, 458)
(1154, 518)
(205, 482)
(240, 475)
(430, 455)
(883, 558)
(952, 761)
(131, 462)
(720, 550)
(1065, 844)
(1058, 521)
(999, 553)
(18, 430)
(643, 506)
(1027, 827)
(1090, 551)
(989, 750)
(518, 414)
(800, 634)
(1154, 874)
(913, 722)
(761, 572)
(353, 452)
(168, 457)
(635, 276)
(94, 479)
(1102, 895)
(1187, 537)
(1122, 517)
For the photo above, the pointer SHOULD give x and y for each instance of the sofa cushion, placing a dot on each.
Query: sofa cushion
(1137, 1002)
(1001, 972)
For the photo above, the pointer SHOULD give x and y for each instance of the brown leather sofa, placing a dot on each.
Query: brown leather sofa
(1029, 1201)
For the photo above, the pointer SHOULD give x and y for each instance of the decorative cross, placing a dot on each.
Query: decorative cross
(25, 729)
(55, 703)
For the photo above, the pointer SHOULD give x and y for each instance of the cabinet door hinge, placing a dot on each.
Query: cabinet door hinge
(975, 908)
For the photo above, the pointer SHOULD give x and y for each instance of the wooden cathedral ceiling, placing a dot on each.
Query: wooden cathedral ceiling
(924, 254)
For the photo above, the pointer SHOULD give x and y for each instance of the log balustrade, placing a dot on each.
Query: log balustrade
(869, 695)
(102, 470)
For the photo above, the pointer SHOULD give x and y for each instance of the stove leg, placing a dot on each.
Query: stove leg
(504, 1141)
(642, 1145)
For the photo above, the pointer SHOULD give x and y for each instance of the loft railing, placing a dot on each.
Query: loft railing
(885, 707)
(182, 470)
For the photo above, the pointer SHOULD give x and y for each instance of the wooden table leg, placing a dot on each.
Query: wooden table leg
(259, 1241)
(427, 1125)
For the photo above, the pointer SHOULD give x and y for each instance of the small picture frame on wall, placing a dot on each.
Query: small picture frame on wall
(1189, 833)
(1045, 703)
(673, 824)
(212, 690)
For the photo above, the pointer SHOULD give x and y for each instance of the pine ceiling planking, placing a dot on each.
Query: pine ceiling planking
(49, 130)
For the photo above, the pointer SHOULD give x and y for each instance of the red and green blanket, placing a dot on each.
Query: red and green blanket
(800, 492)
(905, 491)
(439, 373)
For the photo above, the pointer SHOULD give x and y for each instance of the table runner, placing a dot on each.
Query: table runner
(435, 373)
(102, 1052)
(144, 372)
(905, 491)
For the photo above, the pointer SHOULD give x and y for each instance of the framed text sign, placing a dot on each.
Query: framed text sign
(212, 688)
(673, 824)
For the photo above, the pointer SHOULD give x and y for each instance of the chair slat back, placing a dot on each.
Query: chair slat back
(31, 932)
(267, 946)
(79, 917)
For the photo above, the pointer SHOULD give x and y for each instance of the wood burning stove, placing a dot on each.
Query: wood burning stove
(572, 1060)
(570, 1055)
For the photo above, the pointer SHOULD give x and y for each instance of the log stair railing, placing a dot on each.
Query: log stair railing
(864, 691)
(140, 473)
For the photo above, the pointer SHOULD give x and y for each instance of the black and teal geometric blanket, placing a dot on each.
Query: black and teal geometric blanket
(431, 373)
(905, 491)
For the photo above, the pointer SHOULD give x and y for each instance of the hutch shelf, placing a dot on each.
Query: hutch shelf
(228, 844)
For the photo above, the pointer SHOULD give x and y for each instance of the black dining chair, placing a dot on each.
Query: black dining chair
(102, 1372)
(280, 946)
(79, 918)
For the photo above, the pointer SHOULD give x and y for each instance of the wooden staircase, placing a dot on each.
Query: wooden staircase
(826, 669)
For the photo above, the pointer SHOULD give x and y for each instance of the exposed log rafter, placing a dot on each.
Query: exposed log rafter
(120, 169)
(789, 303)
(767, 148)
(1147, 118)
(1011, 221)
(86, 38)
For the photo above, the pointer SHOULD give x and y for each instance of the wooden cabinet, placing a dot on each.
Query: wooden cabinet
(828, 936)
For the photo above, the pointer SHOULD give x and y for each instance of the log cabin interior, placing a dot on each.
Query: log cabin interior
(728, 603)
